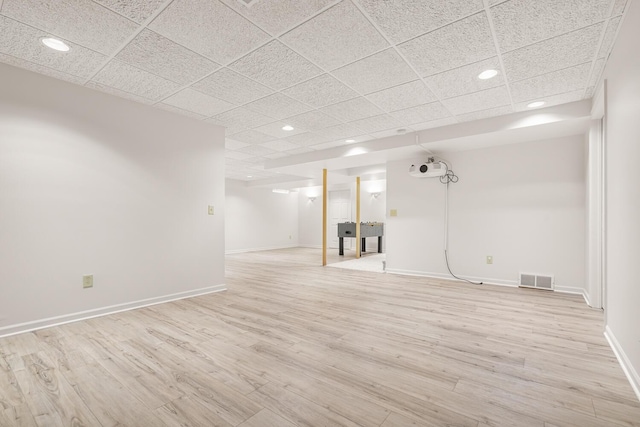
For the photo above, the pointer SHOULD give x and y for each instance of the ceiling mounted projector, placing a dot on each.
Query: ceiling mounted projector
(428, 169)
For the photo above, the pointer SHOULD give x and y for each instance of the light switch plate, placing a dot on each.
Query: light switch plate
(393, 212)
(210, 210)
(87, 281)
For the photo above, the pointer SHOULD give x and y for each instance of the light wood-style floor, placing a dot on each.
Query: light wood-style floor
(295, 344)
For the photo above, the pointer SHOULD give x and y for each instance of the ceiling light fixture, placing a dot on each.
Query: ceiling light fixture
(280, 191)
(536, 104)
(55, 44)
(249, 176)
(312, 198)
(487, 74)
(287, 127)
(349, 140)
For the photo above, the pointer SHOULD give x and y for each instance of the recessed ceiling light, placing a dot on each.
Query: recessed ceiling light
(280, 191)
(55, 44)
(287, 127)
(249, 176)
(536, 104)
(487, 74)
(349, 140)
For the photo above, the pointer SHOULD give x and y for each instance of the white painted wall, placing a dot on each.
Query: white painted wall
(310, 217)
(622, 145)
(258, 219)
(523, 204)
(94, 184)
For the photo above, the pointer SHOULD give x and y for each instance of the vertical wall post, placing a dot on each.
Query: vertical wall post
(358, 248)
(324, 217)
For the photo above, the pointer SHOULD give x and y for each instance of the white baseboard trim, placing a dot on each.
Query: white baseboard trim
(569, 290)
(103, 311)
(310, 246)
(267, 248)
(625, 363)
(441, 276)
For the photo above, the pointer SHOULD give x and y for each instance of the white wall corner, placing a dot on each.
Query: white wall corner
(104, 311)
(625, 363)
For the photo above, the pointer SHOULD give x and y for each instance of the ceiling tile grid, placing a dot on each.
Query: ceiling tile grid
(197, 102)
(401, 20)
(124, 77)
(154, 53)
(463, 42)
(276, 66)
(333, 69)
(232, 87)
(210, 28)
(23, 42)
(336, 37)
(82, 21)
(320, 91)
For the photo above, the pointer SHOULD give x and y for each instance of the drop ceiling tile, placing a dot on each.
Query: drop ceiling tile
(402, 96)
(79, 21)
(307, 138)
(301, 150)
(279, 145)
(278, 106)
(522, 22)
(482, 100)
(276, 16)
(197, 102)
(598, 67)
(236, 155)
(252, 137)
(37, 68)
(354, 109)
(561, 98)
(327, 145)
(240, 119)
(320, 91)
(137, 10)
(231, 86)
(553, 83)
(174, 109)
(609, 37)
(376, 123)
(158, 55)
(343, 131)
(130, 79)
(275, 129)
(232, 144)
(420, 114)
(618, 7)
(376, 72)
(401, 20)
(463, 42)
(434, 123)
(277, 155)
(276, 66)
(209, 28)
(312, 120)
(338, 36)
(560, 52)
(256, 150)
(463, 80)
(117, 92)
(485, 114)
(23, 42)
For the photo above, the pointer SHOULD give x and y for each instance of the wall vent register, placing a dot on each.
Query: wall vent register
(537, 281)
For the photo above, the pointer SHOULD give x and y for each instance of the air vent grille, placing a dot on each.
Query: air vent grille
(538, 281)
(248, 3)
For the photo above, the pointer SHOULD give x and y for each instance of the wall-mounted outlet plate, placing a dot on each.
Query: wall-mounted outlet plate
(210, 210)
(489, 259)
(393, 212)
(87, 281)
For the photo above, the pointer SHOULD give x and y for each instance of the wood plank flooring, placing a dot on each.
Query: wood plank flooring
(294, 344)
